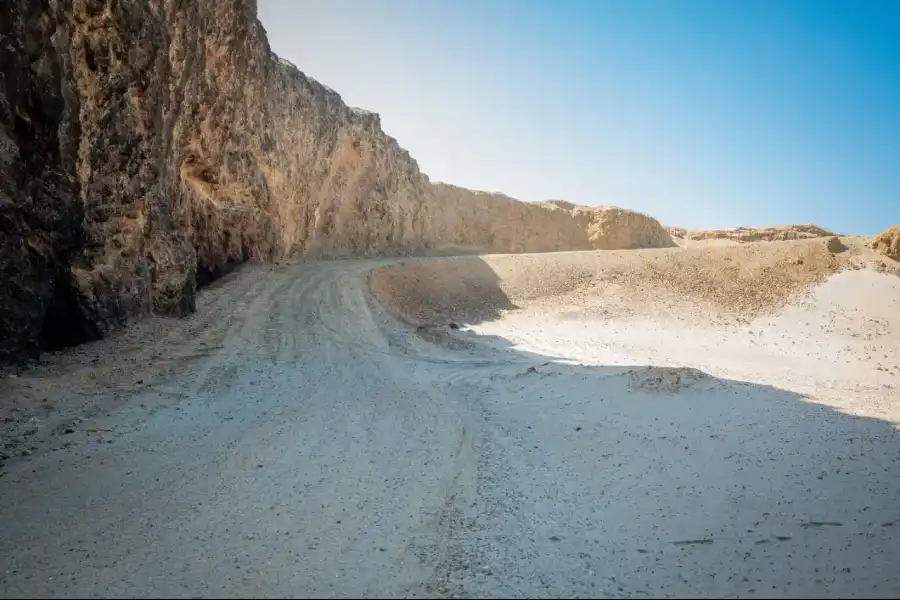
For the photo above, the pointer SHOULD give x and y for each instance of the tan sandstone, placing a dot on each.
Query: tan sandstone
(888, 242)
(147, 147)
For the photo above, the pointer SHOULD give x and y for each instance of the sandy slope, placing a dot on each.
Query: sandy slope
(617, 435)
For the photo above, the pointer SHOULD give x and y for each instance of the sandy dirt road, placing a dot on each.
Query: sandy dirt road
(301, 442)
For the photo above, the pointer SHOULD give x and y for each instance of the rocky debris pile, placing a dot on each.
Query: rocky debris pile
(835, 245)
(744, 280)
(888, 242)
(740, 281)
(665, 379)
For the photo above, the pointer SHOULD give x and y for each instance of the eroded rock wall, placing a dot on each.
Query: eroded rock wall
(888, 242)
(147, 146)
(40, 211)
(491, 222)
(614, 228)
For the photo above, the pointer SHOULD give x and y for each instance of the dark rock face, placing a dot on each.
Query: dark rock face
(85, 201)
(40, 211)
(148, 145)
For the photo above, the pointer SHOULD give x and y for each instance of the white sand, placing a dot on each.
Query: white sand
(292, 440)
(842, 337)
(710, 486)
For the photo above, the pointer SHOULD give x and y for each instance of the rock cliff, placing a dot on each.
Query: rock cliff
(614, 228)
(147, 146)
(888, 242)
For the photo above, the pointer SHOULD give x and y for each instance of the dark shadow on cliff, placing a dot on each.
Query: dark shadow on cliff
(63, 325)
(208, 274)
(41, 214)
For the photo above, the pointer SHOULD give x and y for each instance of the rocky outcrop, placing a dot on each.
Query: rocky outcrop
(614, 228)
(490, 222)
(146, 146)
(777, 233)
(888, 242)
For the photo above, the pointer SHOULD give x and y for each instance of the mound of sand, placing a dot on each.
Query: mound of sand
(888, 242)
(440, 290)
(742, 280)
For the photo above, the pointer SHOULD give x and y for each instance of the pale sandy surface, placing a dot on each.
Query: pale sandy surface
(690, 439)
(594, 427)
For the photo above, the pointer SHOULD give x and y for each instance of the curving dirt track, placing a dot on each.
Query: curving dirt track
(293, 439)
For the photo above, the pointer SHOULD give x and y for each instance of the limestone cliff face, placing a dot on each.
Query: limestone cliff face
(148, 145)
(614, 228)
(497, 223)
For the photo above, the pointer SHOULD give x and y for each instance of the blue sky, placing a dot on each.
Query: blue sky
(702, 113)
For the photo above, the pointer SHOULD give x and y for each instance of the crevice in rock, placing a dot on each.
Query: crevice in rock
(207, 274)
(89, 57)
(63, 325)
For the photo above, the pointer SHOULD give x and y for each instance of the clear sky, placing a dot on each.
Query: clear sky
(702, 113)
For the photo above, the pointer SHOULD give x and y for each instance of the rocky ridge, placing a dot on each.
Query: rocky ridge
(147, 146)
(614, 228)
(777, 233)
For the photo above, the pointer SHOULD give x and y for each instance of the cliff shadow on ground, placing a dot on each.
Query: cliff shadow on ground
(679, 469)
(675, 468)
